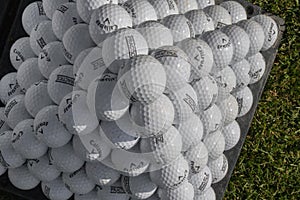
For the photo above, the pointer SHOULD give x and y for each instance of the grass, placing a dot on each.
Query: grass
(269, 165)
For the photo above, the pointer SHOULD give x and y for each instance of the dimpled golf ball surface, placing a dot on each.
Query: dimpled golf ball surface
(172, 175)
(49, 129)
(207, 91)
(180, 27)
(22, 179)
(201, 181)
(37, 97)
(81, 58)
(50, 6)
(24, 141)
(107, 19)
(156, 34)
(257, 67)
(90, 196)
(202, 22)
(72, 45)
(64, 18)
(220, 15)
(209, 194)
(51, 57)
(241, 70)
(43, 169)
(41, 35)
(56, 190)
(15, 111)
(5, 139)
(215, 144)
(270, 29)
(123, 44)
(155, 118)
(197, 157)
(20, 51)
(101, 174)
(226, 81)
(232, 134)
(113, 192)
(218, 168)
(32, 15)
(29, 73)
(244, 98)
(78, 182)
(205, 3)
(163, 149)
(240, 41)
(164, 7)
(255, 33)
(140, 187)
(10, 158)
(142, 79)
(65, 159)
(186, 5)
(221, 47)
(229, 108)
(9, 87)
(184, 192)
(236, 10)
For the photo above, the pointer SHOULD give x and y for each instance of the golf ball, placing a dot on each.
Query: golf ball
(232, 134)
(9, 87)
(89, 196)
(229, 108)
(164, 8)
(5, 139)
(184, 192)
(236, 10)
(56, 190)
(50, 6)
(257, 67)
(202, 22)
(220, 15)
(215, 144)
(244, 98)
(241, 70)
(9, 158)
(113, 192)
(218, 168)
(201, 181)
(209, 194)
(186, 5)
(205, 3)
(22, 179)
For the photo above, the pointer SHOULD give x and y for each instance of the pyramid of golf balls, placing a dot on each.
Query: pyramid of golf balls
(136, 99)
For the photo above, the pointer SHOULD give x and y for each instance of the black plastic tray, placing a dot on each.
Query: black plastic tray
(245, 122)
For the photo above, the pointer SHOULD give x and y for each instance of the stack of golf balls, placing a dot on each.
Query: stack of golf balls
(133, 99)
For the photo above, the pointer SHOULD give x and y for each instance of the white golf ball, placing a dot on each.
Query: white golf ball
(236, 10)
(229, 108)
(123, 44)
(218, 168)
(255, 33)
(200, 56)
(197, 157)
(191, 131)
(5, 137)
(9, 87)
(20, 51)
(89, 196)
(101, 174)
(32, 15)
(176, 64)
(64, 158)
(41, 35)
(24, 141)
(201, 181)
(106, 20)
(50, 6)
(240, 41)
(205, 3)
(140, 187)
(37, 97)
(215, 144)
(202, 22)
(80, 59)
(9, 158)
(232, 134)
(163, 149)
(51, 57)
(270, 30)
(185, 102)
(164, 7)
(186, 5)
(244, 98)
(184, 192)
(29, 73)
(48, 128)
(156, 34)
(74, 113)
(56, 190)
(180, 26)
(43, 169)
(241, 70)
(153, 119)
(209, 194)
(22, 179)
(220, 15)
(72, 45)
(64, 18)
(15, 111)
(113, 192)
(78, 182)
(258, 67)
(173, 175)
(207, 91)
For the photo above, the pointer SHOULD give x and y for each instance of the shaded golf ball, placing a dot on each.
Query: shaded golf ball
(89, 196)
(229, 108)
(202, 22)
(244, 98)
(201, 181)
(232, 134)
(241, 70)
(10, 158)
(51, 57)
(205, 3)
(5, 139)
(236, 10)
(197, 157)
(9, 87)
(22, 179)
(50, 6)
(80, 59)
(186, 5)
(164, 8)
(20, 51)
(41, 35)
(29, 73)
(220, 15)
(215, 144)
(56, 190)
(218, 168)
(113, 192)
(184, 192)
(209, 194)
(257, 67)
(33, 14)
